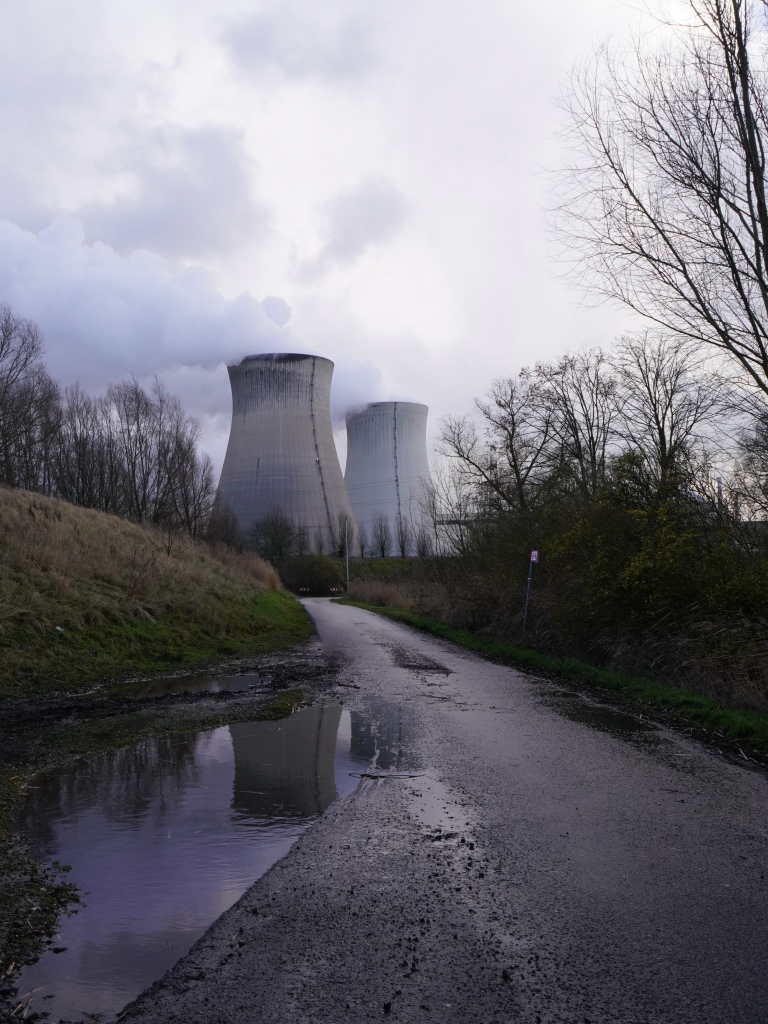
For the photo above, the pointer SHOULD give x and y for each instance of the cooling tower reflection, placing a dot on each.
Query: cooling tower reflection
(164, 836)
(286, 768)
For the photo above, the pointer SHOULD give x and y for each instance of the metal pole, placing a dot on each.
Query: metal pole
(346, 546)
(528, 592)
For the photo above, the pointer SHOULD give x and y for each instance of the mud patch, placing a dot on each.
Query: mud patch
(416, 662)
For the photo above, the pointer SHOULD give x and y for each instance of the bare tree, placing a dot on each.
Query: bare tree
(505, 456)
(362, 541)
(29, 401)
(21, 351)
(449, 509)
(30, 423)
(423, 542)
(665, 198)
(223, 526)
(89, 470)
(342, 534)
(274, 537)
(381, 535)
(580, 394)
(668, 406)
(403, 536)
(164, 478)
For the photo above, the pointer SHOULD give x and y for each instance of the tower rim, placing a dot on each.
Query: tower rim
(281, 357)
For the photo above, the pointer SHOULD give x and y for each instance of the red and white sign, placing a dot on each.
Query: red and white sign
(534, 556)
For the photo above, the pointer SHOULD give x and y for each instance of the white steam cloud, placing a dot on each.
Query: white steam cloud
(105, 315)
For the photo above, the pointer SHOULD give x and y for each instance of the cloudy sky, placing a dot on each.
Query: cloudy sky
(184, 182)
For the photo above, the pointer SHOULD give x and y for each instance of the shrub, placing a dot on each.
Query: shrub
(312, 575)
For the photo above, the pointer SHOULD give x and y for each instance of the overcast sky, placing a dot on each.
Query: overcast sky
(178, 177)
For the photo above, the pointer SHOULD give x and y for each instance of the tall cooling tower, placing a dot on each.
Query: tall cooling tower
(281, 452)
(387, 464)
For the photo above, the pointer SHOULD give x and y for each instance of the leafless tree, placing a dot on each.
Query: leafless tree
(362, 541)
(423, 542)
(579, 393)
(670, 408)
(29, 401)
(165, 480)
(223, 526)
(449, 509)
(21, 351)
(505, 455)
(403, 536)
(30, 424)
(664, 202)
(342, 533)
(381, 535)
(274, 537)
(88, 469)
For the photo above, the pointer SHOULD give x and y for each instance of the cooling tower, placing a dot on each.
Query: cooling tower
(281, 452)
(387, 465)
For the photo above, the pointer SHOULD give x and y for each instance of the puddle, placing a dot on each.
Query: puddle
(163, 837)
(385, 739)
(191, 684)
(616, 723)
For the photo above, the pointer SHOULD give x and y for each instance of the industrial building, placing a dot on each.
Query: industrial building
(387, 468)
(281, 452)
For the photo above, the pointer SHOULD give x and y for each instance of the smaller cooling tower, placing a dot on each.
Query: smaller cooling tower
(387, 466)
(281, 452)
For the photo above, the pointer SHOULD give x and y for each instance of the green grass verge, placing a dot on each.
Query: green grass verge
(70, 660)
(746, 729)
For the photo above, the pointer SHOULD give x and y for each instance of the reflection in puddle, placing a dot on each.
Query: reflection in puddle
(165, 836)
(385, 739)
(190, 684)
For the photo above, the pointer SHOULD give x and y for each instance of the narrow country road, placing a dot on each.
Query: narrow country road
(529, 857)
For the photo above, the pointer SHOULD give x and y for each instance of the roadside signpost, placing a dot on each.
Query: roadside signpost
(534, 558)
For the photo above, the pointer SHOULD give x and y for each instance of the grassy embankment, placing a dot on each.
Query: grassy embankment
(392, 588)
(84, 598)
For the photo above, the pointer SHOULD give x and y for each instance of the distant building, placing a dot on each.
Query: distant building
(281, 452)
(387, 468)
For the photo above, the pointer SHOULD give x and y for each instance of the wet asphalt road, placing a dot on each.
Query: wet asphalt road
(553, 863)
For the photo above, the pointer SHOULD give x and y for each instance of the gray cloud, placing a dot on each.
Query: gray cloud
(367, 215)
(304, 41)
(191, 195)
(104, 315)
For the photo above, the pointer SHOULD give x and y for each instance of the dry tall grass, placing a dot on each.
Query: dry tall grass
(69, 572)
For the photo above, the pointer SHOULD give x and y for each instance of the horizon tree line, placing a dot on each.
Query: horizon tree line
(130, 451)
